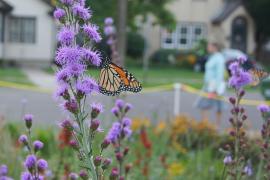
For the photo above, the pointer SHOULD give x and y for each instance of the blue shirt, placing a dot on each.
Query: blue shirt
(214, 73)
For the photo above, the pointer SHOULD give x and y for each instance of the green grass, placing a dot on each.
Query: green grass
(164, 76)
(14, 75)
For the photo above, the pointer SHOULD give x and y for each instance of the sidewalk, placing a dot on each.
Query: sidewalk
(40, 78)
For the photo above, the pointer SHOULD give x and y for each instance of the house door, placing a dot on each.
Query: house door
(239, 34)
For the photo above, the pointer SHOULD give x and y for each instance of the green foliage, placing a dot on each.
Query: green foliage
(174, 57)
(135, 45)
(103, 9)
(163, 56)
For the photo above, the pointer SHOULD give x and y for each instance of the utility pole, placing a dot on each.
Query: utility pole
(121, 30)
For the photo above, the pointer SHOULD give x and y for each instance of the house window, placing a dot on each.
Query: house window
(185, 36)
(22, 30)
(168, 39)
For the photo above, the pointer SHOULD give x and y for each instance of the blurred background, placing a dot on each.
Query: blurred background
(161, 42)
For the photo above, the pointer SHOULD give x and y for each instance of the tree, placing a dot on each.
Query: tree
(125, 12)
(260, 11)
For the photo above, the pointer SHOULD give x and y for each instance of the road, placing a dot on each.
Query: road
(155, 106)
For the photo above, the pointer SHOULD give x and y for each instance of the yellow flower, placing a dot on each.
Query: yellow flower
(175, 169)
(139, 123)
(160, 127)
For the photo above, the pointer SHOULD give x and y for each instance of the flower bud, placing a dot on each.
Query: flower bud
(114, 174)
(242, 93)
(227, 160)
(128, 107)
(71, 106)
(115, 111)
(242, 110)
(119, 156)
(120, 104)
(28, 118)
(126, 150)
(23, 139)
(96, 109)
(244, 117)
(67, 125)
(38, 145)
(74, 145)
(232, 133)
(105, 143)
(122, 178)
(232, 100)
(127, 168)
(94, 125)
(83, 175)
(106, 163)
(97, 161)
(42, 165)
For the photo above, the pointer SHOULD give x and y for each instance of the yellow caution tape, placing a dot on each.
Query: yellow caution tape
(169, 87)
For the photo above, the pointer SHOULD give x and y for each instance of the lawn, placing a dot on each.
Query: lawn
(164, 76)
(13, 75)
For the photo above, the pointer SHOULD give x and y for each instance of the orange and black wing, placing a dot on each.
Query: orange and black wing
(109, 81)
(114, 79)
(129, 82)
(257, 76)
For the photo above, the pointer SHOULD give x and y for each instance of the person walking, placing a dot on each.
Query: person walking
(214, 83)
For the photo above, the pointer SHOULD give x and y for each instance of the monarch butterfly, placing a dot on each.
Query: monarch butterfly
(114, 79)
(257, 76)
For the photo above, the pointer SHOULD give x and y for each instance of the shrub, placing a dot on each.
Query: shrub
(135, 45)
(183, 59)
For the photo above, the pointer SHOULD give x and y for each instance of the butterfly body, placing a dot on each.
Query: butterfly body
(114, 79)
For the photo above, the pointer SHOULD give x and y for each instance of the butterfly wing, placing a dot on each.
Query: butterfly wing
(130, 83)
(109, 81)
(114, 79)
(257, 76)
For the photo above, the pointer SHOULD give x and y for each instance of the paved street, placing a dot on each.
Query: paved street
(155, 106)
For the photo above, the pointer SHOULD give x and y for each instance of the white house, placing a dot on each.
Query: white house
(27, 31)
(224, 20)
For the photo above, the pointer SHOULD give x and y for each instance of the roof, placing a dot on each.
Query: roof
(5, 7)
(228, 7)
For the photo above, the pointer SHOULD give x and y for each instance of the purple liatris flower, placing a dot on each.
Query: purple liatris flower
(108, 21)
(71, 106)
(109, 30)
(26, 176)
(248, 170)
(127, 132)
(83, 174)
(42, 165)
(126, 122)
(73, 176)
(119, 103)
(82, 12)
(263, 108)
(87, 86)
(38, 145)
(62, 76)
(227, 160)
(23, 139)
(239, 77)
(75, 69)
(59, 13)
(66, 36)
(30, 162)
(66, 55)
(93, 57)
(28, 118)
(67, 2)
(3, 170)
(62, 91)
(67, 125)
(97, 108)
(114, 132)
(92, 32)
